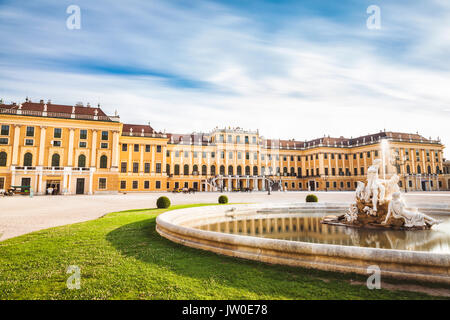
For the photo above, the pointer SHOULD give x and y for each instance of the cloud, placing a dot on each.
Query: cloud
(292, 70)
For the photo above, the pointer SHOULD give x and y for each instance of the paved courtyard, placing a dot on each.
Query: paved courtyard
(20, 215)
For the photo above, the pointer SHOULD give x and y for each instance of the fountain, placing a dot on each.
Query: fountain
(379, 203)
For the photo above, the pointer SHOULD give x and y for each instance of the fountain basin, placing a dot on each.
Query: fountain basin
(184, 226)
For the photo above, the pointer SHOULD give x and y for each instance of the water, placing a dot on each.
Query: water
(307, 228)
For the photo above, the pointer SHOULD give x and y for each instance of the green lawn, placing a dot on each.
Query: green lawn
(121, 256)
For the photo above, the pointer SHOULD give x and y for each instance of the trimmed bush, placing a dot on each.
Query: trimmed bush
(163, 202)
(223, 199)
(311, 198)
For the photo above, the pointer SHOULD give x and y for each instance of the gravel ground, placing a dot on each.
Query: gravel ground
(20, 214)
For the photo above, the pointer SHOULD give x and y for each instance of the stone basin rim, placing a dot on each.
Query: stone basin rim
(406, 264)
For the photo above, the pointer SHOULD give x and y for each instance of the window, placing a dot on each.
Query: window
(27, 160)
(123, 167)
(104, 145)
(105, 135)
(81, 161)
(2, 183)
(103, 162)
(5, 130)
(362, 171)
(158, 184)
(3, 157)
(55, 160)
(30, 132)
(124, 147)
(238, 139)
(146, 184)
(239, 155)
(247, 156)
(147, 167)
(230, 155)
(158, 168)
(136, 148)
(123, 184)
(213, 170)
(102, 183)
(83, 134)
(213, 154)
(26, 182)
(57, 143)
(147, 148)
(57, 133)
(254, 140)
(177, 170)
(83, 144)
(195, 154)
(246, 139)
(167, 153)
(186, 170)
(135, 184)
(29, 142)
(3, 140)
(167, 169)
(186, 154)
(204, 170)
(368, 154)
(135, 167)
(158, 148)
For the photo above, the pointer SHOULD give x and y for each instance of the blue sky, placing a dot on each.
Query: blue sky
(293, 69)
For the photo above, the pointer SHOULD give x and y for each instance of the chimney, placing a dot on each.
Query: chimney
(49, 101)
(41, 101)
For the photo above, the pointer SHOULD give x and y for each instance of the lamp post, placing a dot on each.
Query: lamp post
(398, 162)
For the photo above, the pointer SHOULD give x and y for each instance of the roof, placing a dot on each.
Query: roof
(56, 110)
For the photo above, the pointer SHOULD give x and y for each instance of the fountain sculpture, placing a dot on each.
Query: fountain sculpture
(379, 204)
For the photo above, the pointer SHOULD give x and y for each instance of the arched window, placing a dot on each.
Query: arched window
(3, 157)
(204, 170)
(177, 169)
(255, 170)
(28, 160)
(247, 170)
(438, 171)
(168, 169)
(55, 160)
(285, 170)
(299, 172)
(230, 170)
(408, 169)
(81, 161)
(292, 171)
(222, 170)
(213, 169)
(195, 169)
(186, 170)
(263, 171)
(239, 171)
(419, 170)
(103, 162)
(429, 170)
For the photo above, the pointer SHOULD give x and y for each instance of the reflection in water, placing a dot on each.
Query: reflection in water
(309, 229)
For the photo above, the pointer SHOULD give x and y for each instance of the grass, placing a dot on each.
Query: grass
(121, 256)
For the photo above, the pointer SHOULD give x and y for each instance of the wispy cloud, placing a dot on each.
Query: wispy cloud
(291, 69)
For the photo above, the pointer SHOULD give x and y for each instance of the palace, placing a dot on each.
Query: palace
(80, 150)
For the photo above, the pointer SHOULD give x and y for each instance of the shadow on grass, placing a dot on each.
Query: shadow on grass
(141, 241)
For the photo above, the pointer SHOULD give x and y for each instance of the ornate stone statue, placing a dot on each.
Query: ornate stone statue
(412, 218)
(379, 205)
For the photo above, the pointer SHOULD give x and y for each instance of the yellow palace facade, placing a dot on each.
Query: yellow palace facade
(60, 149)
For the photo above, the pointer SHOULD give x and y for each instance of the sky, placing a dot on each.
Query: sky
(292, 69)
